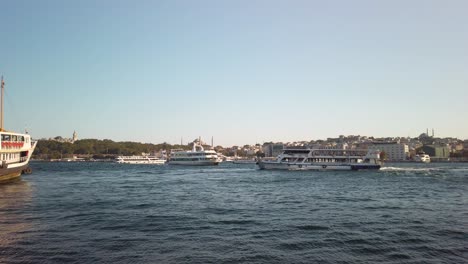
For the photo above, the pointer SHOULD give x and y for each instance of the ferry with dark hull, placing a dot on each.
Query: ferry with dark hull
(15, 150)
(323, 159)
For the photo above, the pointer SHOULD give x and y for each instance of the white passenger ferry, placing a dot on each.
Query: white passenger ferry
(323, 159)
(140, 160)
(15, 150)
(198, 156)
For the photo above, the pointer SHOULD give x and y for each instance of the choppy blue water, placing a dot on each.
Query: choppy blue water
(113, 213)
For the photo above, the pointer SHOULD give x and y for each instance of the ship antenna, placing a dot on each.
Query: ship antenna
(1, 107)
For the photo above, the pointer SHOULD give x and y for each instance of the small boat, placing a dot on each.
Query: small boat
(140, 160)
(15, 150)
(422, 157)
(198, 156)
(323, 159)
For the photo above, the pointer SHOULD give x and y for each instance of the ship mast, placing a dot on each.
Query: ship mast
(1, 105)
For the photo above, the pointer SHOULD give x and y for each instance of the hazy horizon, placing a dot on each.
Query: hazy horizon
(243, 72)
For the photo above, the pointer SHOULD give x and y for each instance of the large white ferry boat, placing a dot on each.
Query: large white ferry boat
(323, 159)
(15, 150)
(140, 160)
(198, 156)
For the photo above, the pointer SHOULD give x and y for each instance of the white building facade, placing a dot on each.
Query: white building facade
(394, 151)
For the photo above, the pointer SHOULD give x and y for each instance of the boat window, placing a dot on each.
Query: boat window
(5, 137)
(296, 151)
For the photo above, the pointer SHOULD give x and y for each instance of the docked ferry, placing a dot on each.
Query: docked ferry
(323, 159)
(140, 160)
(15, 150)
(198, 156)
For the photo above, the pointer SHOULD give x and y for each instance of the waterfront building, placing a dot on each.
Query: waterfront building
(250, 151)
(465, 144)
(394, 151)
(66, 140)
(457, 147)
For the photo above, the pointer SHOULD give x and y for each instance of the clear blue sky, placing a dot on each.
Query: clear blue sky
(243, 72)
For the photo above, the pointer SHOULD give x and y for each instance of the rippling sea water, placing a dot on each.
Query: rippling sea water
(116, 213)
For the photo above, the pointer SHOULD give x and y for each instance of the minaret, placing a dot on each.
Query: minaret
(432, 132)
(75, 137)
(1, 115)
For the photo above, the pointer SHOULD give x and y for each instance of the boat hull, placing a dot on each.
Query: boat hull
(244, 162)
(265, 165)
(143, 162)
(13, 173)
(194, 163)
(422, 160)
(140, 160)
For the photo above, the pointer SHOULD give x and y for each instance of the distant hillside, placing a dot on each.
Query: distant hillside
(51, 149)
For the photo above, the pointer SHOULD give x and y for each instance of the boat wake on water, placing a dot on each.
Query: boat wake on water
(450, 172)
(411, 169)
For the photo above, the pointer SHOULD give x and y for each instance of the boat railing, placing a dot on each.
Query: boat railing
(176, 150)
(340, 152)
(12, 144)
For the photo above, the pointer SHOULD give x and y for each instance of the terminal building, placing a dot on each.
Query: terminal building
(437, 153)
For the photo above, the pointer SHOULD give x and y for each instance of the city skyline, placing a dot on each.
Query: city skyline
(428, 134)
(244, 72)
